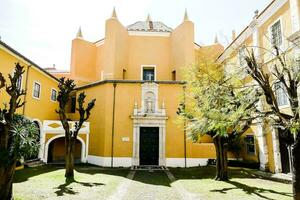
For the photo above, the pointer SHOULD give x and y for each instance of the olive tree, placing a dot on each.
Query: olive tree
(218, 107)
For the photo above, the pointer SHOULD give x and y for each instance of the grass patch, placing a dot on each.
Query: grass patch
(151, 185)
(49, 182)
(242, 185)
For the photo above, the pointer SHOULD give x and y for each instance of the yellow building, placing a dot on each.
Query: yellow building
(40, 107)
(136, 74)
(278, 24)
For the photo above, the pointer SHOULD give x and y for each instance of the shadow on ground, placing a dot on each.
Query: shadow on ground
(66, 189)
(26, 173)
(201, 173)
(152, 178)
(251, 190)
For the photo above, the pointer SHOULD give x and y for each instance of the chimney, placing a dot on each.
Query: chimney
(233, 35)
(150, 22)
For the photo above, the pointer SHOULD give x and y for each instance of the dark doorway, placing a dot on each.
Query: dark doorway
(149, 145)
(56, 151)
(285, 142)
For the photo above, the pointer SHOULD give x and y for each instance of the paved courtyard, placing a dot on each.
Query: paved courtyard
(47, 182)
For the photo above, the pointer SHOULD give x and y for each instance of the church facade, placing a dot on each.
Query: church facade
(136, 75)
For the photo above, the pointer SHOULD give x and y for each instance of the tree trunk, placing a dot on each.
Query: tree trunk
(296, 168)
(69, 158)
(7, 165)
(221, 158)
(6, 181)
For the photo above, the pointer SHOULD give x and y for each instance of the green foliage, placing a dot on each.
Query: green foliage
(14, 130)
(24, 137)
(215, 105)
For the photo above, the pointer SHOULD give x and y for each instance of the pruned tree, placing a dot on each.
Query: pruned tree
(286, 72)
(217, 107)
(17, 135)
(66, 88)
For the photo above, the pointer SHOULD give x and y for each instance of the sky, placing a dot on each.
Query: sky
(42, 30)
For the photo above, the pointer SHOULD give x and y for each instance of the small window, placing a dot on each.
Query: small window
(19, 83)
(124, 74)
(242, 56)
(73, 104)
(36, 90)
(174, 75)
(148, 74)
(276, 34)
(53, 95)
(281, 96)
(250, 144)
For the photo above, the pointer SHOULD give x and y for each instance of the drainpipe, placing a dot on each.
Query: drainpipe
(26, 88)
(184, 130)
(113, 126)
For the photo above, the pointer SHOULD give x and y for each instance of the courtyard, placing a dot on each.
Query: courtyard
(92, 182)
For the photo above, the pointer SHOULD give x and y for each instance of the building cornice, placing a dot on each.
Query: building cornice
(126, 81)
(269, 10)
(149, 33)
(21, 57)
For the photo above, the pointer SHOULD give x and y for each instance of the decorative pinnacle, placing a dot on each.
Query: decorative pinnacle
(233, 35)
(148, 18)
(79, 33)
(163, 106)
(186, 17)
(216, 39)
(135, 104)
(114, 14)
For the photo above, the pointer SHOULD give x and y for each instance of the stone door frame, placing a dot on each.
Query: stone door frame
(139, 122)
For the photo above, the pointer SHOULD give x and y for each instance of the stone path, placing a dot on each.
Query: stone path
(151, 185)
(123, 187)
(180, 189)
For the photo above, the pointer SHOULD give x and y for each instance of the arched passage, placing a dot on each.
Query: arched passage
(55, 150)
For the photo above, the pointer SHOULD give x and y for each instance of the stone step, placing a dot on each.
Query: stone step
(33, 163)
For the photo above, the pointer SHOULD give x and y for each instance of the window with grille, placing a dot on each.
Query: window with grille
(281, 96)
(36, 90)
(148, 74)
(276, 34)
(53, 95)
(250, 144)
(242, 56)
(19, 83)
